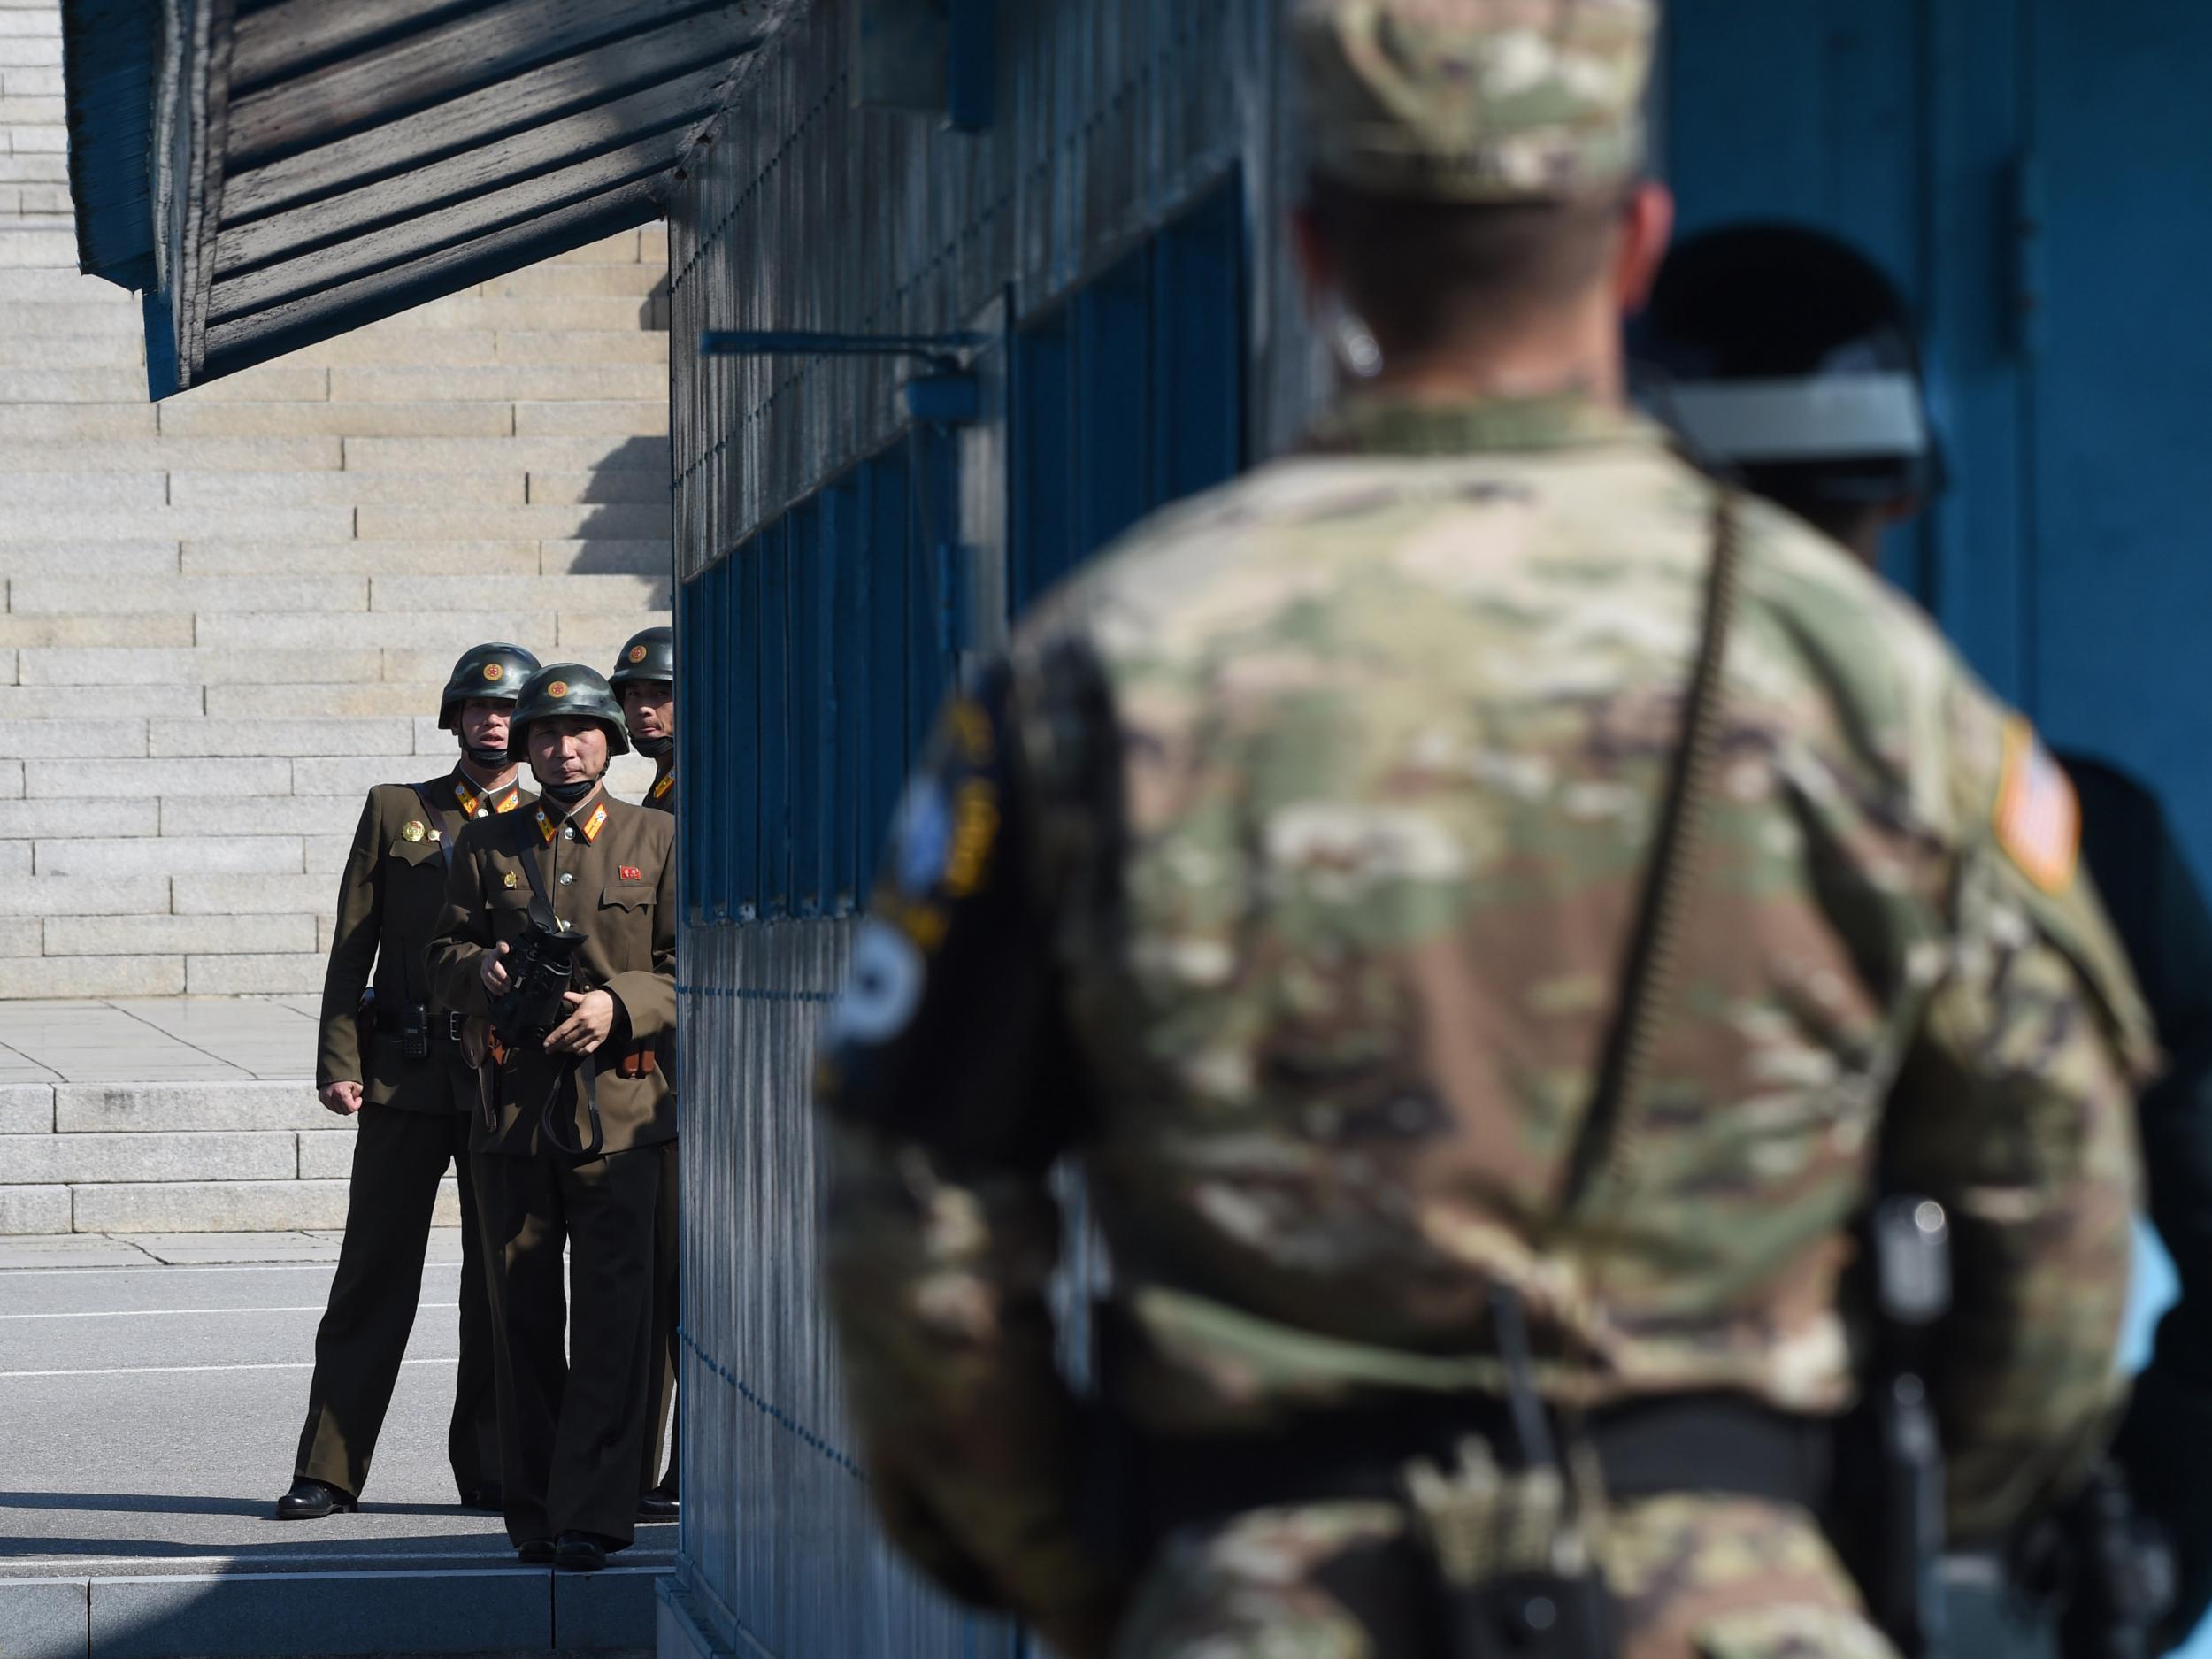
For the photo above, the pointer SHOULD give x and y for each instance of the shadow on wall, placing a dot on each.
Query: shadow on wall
(625, 489)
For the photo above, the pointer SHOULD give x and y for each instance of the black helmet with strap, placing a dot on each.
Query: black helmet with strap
(649, 655)
(571, 691)
(1786, 358)
(486, 674)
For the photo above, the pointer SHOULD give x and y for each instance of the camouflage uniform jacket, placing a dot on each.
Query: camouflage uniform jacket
(1284, 872)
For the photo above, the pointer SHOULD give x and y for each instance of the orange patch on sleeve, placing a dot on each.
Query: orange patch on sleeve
(2037, 817)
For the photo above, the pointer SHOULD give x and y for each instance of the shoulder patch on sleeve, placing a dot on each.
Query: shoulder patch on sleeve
(2037, 817)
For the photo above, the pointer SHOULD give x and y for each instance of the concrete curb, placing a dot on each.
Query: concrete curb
(275, 1615)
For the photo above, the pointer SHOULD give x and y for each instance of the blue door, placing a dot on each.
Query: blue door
(2032, 173)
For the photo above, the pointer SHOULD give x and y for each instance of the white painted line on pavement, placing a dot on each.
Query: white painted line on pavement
(500, 1554)
(171, 1370)
(165, 1313)
(141, 1268)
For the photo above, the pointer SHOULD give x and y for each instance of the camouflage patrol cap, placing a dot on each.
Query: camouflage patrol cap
(1475, 100)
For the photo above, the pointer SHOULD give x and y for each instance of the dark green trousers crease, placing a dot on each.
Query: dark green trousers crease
(399, 1157)
(572, 1429)
(666, 1362)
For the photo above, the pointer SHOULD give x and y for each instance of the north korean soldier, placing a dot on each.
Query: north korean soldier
(1787, 360)
(390, 1055)
(558, 943)
(644, 678)
(1480, 900)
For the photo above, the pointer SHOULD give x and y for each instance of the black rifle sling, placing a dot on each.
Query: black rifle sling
(1600, 1147)
(584, 1073)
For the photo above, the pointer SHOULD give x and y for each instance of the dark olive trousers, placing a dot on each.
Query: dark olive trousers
(572, 1429)
(666, 1362)
(399, 1157)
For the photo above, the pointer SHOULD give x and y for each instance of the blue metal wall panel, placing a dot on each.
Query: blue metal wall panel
(844, 555)
(1128, 397)
(1198, 276)
(750, 785)
(1114, 116)
(887, 561)
(1042, 547)
(1111, 360)
(2120, 585)
(771, 891)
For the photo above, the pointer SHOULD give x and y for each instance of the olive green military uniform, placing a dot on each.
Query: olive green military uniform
(1285, 873)
(650, 655)
(413, 1124)
(572, 1430)
(665, 1480)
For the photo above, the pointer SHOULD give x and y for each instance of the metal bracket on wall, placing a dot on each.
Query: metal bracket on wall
(949, 395)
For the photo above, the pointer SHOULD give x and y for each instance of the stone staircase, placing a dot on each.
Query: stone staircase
(224, 617)
(228, 615)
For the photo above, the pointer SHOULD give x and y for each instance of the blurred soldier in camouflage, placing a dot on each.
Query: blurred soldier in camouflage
(1481, 901)
(1787, 360)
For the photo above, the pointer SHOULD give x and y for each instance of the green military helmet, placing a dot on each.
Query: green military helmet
(1475, 100)
(649, 655)
(570, 689)
(486, 674)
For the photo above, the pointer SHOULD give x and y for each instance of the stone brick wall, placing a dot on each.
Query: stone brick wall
(222, 617)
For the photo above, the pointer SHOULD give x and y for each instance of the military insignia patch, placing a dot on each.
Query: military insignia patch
(558, 688)
(631, 872)
(663, 786)
(922, 837)
(511, 880)
(2038, 818)
(412, 830)
(597, 822)
(637, 653)
(513, 800)
(494, 671)
(546, 830)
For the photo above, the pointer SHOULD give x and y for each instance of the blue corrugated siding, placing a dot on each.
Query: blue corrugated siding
(1902, 124)
(833, 563)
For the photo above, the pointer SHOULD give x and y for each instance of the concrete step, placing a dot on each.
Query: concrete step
(224, 1206)
(243, 1605)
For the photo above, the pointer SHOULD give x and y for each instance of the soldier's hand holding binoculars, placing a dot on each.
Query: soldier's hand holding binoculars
(495, 971)
(590, 1018)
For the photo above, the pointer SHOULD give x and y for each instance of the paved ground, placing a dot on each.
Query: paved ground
(176, 1039)
(151, 1390)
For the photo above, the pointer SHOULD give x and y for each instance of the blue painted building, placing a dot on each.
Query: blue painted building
(1070, 212)
(1110, 237)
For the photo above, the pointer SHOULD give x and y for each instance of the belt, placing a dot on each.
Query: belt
(445, 1025)
(638, 1062)
(1728, 1445)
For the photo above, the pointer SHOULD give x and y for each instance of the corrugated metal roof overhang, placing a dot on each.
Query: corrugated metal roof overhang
(272, 173)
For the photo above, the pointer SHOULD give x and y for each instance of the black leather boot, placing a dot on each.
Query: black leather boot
(312, 1500)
